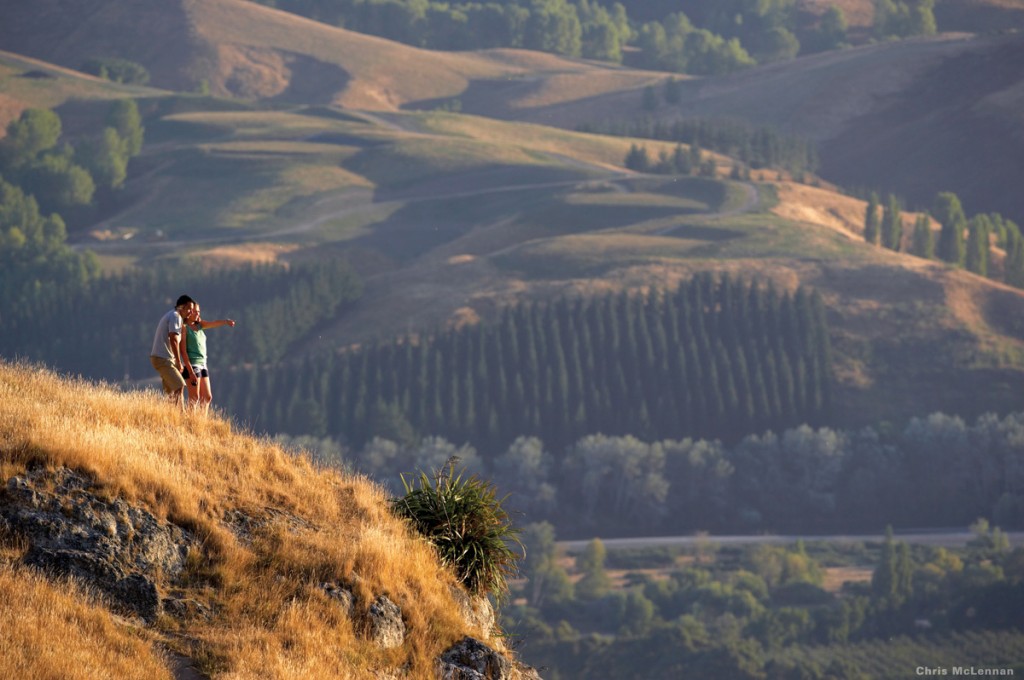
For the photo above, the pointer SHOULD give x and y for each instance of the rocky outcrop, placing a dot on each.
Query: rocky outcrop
(476, 610)
(342, 595)
(386, 626)
(470, 659)
(384, 623)
(71, 530)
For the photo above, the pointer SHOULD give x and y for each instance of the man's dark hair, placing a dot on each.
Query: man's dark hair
(184, 300)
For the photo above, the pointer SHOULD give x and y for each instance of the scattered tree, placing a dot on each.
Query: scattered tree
(872, 224)
(595, 582)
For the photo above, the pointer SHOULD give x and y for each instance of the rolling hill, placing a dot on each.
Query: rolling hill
(451, 216)
(875, 110)
(915, 117)
(241, 49)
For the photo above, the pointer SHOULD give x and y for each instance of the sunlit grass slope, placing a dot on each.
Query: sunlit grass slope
(58, 631)
(248, 50)
(311, 175)
(270, 617)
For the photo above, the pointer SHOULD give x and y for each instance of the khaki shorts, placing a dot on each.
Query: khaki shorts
(169, 374)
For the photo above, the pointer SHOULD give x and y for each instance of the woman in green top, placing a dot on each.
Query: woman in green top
(196, 371)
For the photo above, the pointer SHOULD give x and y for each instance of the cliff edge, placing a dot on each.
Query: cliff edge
(139, 541)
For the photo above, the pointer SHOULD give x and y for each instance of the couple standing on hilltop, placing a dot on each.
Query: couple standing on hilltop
(179, 353)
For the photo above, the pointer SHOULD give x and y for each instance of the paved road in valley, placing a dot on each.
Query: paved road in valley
(946, 538)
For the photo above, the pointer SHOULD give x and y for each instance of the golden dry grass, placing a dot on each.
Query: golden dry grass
(56, 630)
(802, 203)
(312, 526)
(828, 208)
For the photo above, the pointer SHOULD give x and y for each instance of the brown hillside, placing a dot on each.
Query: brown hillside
(957, 127)
(242, 49)
(815, 96)
(914, 117)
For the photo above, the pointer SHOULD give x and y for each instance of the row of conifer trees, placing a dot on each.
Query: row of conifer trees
(716, 357)
(755, 146)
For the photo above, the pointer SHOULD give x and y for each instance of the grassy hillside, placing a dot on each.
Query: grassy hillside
(247, 50)
(449, 217)
(257, 607)
(878, 113)
(310, 176)
(877, 109)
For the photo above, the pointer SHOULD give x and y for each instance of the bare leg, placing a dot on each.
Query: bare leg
(193, 394)
(205, 395)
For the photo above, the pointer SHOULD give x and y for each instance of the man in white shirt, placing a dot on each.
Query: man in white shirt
(165, 355)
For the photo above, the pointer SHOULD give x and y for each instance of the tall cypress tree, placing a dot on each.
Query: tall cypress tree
(1014, 267)
(884, 580)
(950, 214)
(892, 224)
(976, 259)
(923, 244)
(872, 225)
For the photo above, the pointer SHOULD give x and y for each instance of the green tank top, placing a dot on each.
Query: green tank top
(195, 345)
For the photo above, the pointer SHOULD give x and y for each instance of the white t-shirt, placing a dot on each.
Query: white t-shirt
(169, 323)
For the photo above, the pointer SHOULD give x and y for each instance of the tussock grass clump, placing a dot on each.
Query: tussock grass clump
(464, 519)
(272, 529)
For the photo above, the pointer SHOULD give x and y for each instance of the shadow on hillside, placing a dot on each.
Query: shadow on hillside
(490, 98)
(936, 137)
(884, 283)
(441, 211)
(693, 232)
(1004, 309)
(312, 81)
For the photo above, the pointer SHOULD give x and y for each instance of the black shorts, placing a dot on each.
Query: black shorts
(202, 373)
